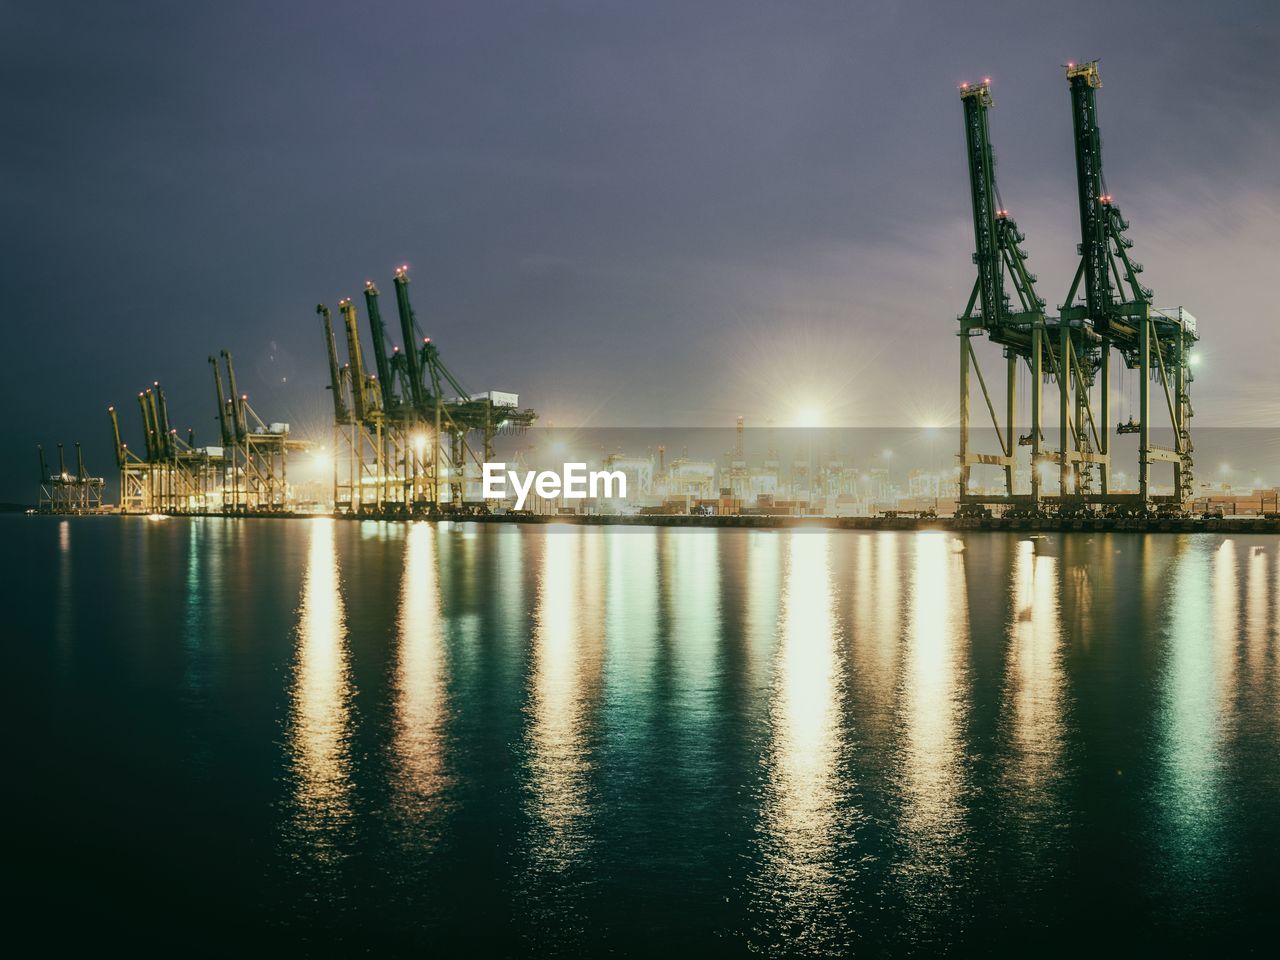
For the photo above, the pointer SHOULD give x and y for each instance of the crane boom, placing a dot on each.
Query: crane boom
(224, 435)
(997, 240)
(359, 385)
(408, 325)
(1114, 300)
(335, 376)
(157, 438)
(166, 438)
(146, 425)
(379, 331)
(238, 419)
(115, 434)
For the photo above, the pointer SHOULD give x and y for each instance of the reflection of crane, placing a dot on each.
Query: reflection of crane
(1074, 348)
(413, 402)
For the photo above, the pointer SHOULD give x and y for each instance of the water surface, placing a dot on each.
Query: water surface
(565, 740)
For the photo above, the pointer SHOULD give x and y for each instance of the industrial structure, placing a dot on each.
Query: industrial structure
(64, 492)
(408, 438)
(1107, 324)
(245, 473)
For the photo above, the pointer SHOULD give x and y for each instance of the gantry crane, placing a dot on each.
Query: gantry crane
(67, 493)
(405, 443)
(1073, 349)
(254, 455)
(172, 475)
(1107, 294)
(999, 258)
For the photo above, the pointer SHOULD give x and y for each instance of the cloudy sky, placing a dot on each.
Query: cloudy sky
(639, 213)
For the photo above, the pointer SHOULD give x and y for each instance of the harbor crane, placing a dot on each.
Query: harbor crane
(409, 436)
(1107, 314)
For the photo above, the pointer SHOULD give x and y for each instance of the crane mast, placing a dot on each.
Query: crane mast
(1156, 342)
(224, 433)
(997, 241)
(359, 383)
(167, 446)
(115, 433)
(148, 443)
(1020, 329)
(379, 331)
(340, 414)
(408, 330)
(1113, 297)
(990, 283)
(237, 401)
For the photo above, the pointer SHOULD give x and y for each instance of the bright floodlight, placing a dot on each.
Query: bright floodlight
(420, 442)
(809, 417)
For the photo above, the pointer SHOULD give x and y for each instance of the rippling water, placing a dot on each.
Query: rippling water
(542, 740)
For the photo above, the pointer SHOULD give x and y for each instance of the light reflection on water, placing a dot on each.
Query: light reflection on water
(565, 664)
(320, 716)
(933, 705)
(601, 740)
(1034, 685)
(802, 809)
(421, 694)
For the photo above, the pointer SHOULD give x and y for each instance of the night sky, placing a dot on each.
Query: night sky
(634, 213)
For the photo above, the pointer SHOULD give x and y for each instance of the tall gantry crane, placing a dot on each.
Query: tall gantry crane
(404, 444)
(1107, 294)
(1020, 329)
(1074, 349)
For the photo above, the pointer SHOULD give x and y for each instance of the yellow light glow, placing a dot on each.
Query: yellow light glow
(421, 692)
(319, 726)
(809, 417)
(806, 711)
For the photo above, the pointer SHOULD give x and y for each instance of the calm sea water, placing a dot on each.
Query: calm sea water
(340, 736)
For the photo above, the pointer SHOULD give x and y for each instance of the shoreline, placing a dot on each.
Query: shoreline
(1259, 525)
